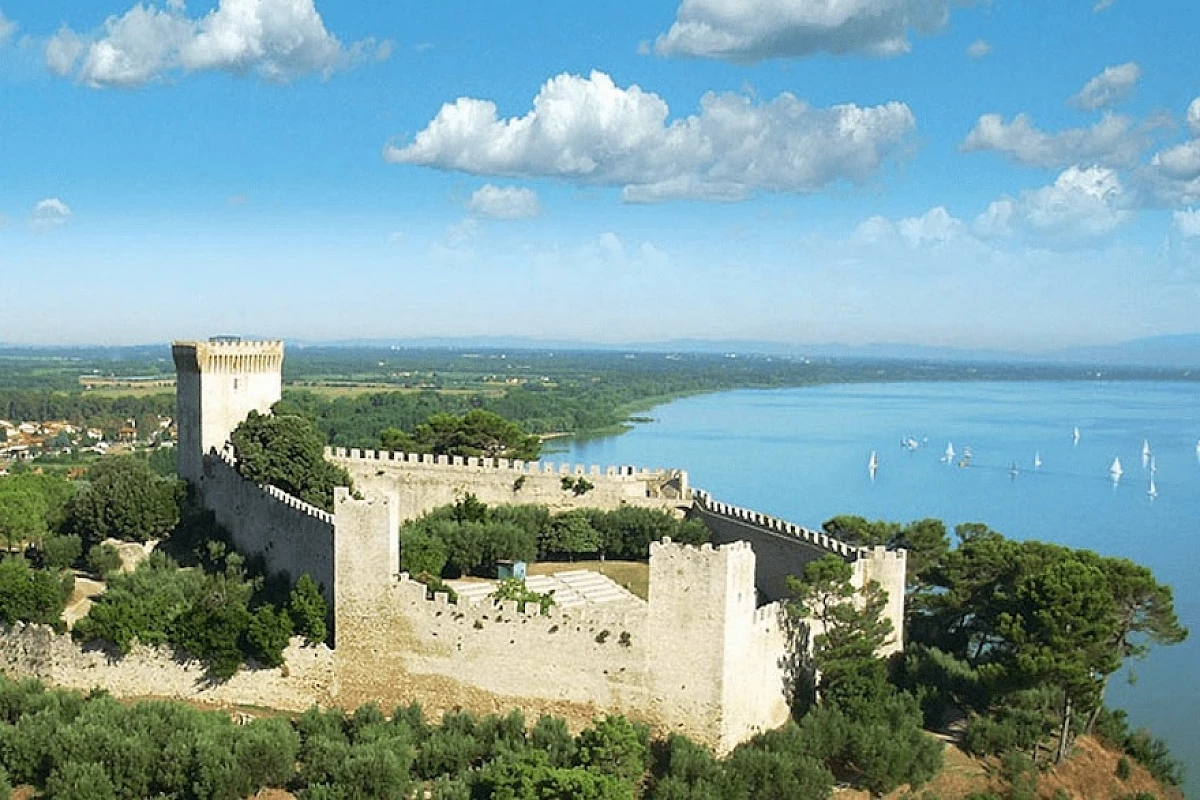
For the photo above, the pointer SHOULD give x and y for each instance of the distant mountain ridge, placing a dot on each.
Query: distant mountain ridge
(1178, 351)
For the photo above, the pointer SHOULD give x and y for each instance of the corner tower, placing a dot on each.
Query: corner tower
(218, 384)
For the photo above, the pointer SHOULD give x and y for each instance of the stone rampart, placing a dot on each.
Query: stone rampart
(422, 482)
(674, 662)
(783, 549)
(37, 651)
(292, 536)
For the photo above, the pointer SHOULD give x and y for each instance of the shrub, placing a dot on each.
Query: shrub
(80, 781)
(124, 500)
(308, 610)
(615, 746)
(267, 635)
(61, 552)
(1124, 768)
(30, 595)
(421, 551)
(103, 560)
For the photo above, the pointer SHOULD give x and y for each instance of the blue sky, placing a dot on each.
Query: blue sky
(1020, 175)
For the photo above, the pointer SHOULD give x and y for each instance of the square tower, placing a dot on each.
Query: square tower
(218, 384)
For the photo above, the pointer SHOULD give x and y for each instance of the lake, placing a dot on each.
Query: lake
(802, 454)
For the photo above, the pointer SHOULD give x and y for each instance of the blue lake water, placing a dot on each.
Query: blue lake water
(802, 454)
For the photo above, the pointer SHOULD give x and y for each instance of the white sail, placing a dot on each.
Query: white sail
(1153, 468)
(873, 463)
(1037, 460)
(1152, 491)
(949, 451)
(1145, 448)
(1115, 470)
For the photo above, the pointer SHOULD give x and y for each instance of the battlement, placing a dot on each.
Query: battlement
(824, 541)
(228, 356)
(499, 464)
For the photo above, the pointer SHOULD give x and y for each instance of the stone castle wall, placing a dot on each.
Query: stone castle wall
(37, 651)
(784, 549)
(291, 535)
(420, 483)
(673, 662)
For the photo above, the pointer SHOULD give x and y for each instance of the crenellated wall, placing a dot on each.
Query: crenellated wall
(422, 482)
(784, 549)
(291, 535)
(700, 657)
(679, 661)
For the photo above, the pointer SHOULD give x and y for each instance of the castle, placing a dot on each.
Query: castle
(709, 655)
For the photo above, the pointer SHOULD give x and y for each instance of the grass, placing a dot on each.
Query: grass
(633, 575)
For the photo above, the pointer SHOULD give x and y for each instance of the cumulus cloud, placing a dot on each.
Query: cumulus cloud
(7, 29)
(504, 202)
(49, 214)
(1083, 204)
(591, 131)
(936, 227)
(1186, 223)
(1172, 176)
(1110, 87)
(978, 49)
(753, 30)
(1114, 141)
(1101, 5)
(276, 39)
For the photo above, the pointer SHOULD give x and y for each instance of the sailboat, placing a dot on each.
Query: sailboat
(1145, 452)
(1152, 491)
(1075, 438)
(1037, 460)
(1012, 470)
(949, 452)
(873, 463)
(1115, 470)
(1153, 468)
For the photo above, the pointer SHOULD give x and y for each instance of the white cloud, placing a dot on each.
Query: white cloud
(1101, 5)
(49, 214)
(1186, 223)
(935, 228)
(1113, 141)
(1193, 117)
(7, 29)
(504, 202)
(590, 131)
(1082, 205)
(978, 49)
(1110, 87)
(753, 30)
(277, 39)
(63, 51)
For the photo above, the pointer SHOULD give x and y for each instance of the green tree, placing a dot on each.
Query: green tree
(308, 610)
(22, 514)
(570, 534)
(845, 651)
(421, 551)
(476, 433)
(267, 635)
(615, 746)
(125, 500)
(287, 452)
(31, 595)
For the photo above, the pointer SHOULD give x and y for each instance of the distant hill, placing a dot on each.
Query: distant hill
(1180, 351)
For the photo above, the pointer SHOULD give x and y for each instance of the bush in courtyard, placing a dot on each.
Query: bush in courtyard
(308, 610)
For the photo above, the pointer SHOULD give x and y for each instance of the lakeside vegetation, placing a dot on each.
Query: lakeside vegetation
(354, 393)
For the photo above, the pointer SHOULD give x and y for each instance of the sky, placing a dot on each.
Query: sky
(1022, 175)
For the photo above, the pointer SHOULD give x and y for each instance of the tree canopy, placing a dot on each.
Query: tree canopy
(124, 499)
(288, 452)
(475, 433)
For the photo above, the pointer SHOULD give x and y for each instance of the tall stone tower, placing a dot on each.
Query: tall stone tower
(218, 384)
